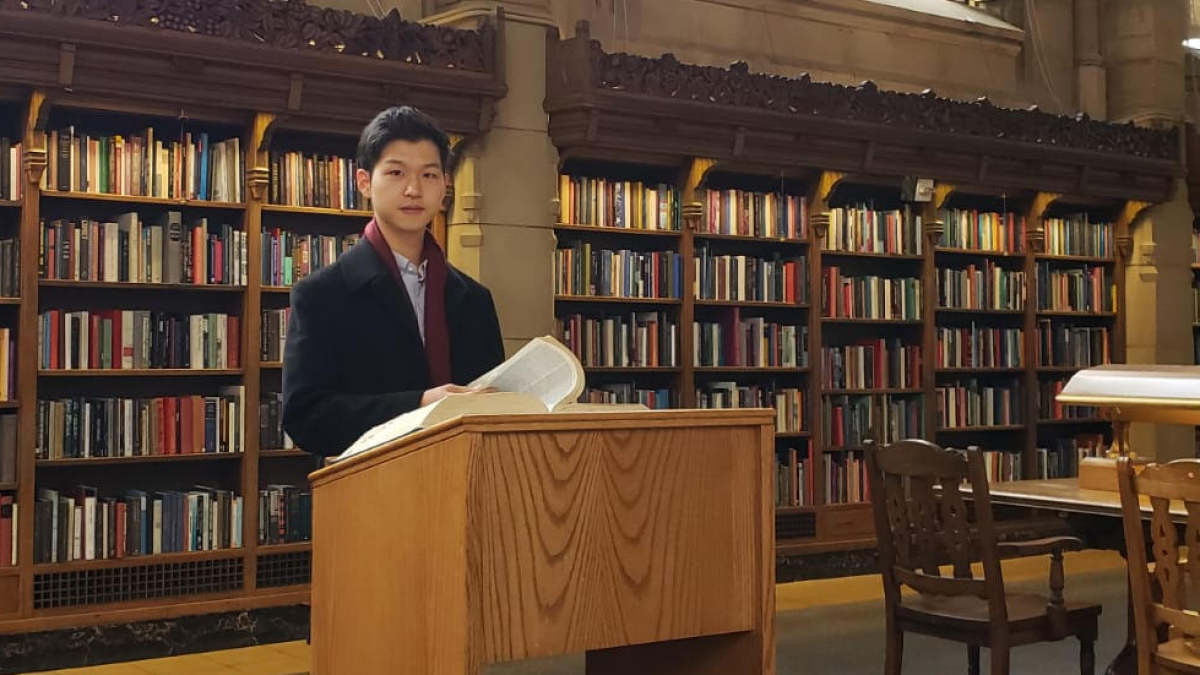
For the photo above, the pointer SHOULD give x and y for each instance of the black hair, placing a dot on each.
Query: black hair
(403, 123)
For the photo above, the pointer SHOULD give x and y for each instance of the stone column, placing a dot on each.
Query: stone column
(1091, 87)
(1158, 312)
(505, 189)
(1144, 61)
(1049, 54)
(1143, 48)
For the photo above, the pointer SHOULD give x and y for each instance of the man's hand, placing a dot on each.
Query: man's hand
(438, 393)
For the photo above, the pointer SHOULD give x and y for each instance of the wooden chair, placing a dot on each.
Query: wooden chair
(921, 520)
(1159, 591)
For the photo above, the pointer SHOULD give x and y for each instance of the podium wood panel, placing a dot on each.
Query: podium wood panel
(638, 538)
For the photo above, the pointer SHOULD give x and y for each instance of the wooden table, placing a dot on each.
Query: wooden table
(1092, 515)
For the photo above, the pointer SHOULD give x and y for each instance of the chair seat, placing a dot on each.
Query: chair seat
(1026, 611)
(1177, 657)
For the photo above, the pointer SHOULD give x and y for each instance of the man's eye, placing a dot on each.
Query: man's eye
(394, 172)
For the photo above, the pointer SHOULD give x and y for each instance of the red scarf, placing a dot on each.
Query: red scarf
(437, 336)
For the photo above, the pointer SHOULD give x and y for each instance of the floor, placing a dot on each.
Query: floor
(850, 603)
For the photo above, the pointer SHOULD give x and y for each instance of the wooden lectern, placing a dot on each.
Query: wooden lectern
(645, 539)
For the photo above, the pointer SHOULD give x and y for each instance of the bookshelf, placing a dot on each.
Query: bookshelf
(10, 308)
(945, 320)
(1007, 199)
(159, 229)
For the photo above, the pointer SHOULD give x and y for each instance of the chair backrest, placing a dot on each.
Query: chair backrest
(922, 521)
(1175, 569)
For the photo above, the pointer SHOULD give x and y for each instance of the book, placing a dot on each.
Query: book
(544, 376)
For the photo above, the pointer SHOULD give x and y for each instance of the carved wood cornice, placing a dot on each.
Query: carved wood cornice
(288, 25)
(666, 77)
(661, 110)
(320, 69)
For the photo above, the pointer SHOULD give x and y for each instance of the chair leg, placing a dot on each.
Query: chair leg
(1087, 656)
(894, 659)
(999, 660)
(972, 659)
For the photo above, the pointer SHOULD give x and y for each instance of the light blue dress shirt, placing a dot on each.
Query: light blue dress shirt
(414, 282)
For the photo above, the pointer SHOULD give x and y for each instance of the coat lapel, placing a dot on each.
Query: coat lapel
(456, 292)
(366, 272)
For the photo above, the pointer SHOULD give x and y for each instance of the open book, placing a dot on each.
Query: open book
(543, 376)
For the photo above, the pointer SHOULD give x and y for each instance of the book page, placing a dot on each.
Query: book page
(544, 368)
(451, 407)
(390, 430)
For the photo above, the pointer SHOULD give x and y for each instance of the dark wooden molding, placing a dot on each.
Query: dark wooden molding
(110, 54)
(288, 25)
(663, 109)
(666, 77)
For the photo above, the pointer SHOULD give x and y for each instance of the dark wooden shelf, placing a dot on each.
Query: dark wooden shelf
(909, 257)
(996, 427)
(147, 201)
(824, 544)
(748, 238)
(9, 301)
(9, 405)
(9, 204)
(602, 299)
(978, 253)
(749, 304)
(271, 365)
(751, 369)
(293, 452)
(617, 230)
(1076, 314)
(793, 434)
(6, 487)
(277, 289)
(843, 448)
(631, 369)
(998, 312)
(868, 322)
(290, 547)
(138, 560)
(863, 392)
(143, 459)
(143, 372)
(1061, 369)
(1074, 258)
(316, 211)
(986, 370)
(1196, 266)
(140, 286)
(1067, 422)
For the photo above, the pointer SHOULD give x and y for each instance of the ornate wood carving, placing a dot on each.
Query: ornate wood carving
(289, 25)
(737, 86)
(1124, 246)
(934, 229)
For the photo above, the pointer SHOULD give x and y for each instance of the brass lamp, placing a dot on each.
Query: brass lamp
(1126, 393)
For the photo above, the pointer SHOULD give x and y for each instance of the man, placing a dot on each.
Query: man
(391, 326)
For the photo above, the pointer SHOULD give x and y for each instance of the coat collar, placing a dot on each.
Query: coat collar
(366, 273)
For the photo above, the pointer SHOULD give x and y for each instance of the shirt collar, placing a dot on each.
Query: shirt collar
(406, 267)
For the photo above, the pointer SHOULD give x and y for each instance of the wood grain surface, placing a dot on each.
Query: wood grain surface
(637, 539)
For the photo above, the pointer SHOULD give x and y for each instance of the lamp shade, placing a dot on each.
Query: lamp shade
(1138, 393)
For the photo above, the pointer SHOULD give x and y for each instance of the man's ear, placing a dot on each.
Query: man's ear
(363, 179)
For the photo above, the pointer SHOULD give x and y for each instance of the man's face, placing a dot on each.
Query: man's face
(407, 186)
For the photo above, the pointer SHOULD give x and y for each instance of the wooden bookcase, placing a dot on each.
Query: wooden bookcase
(271, 99)
(823, 521)
(624, 117)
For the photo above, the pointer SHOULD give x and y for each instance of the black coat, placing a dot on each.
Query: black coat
(354, 356)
